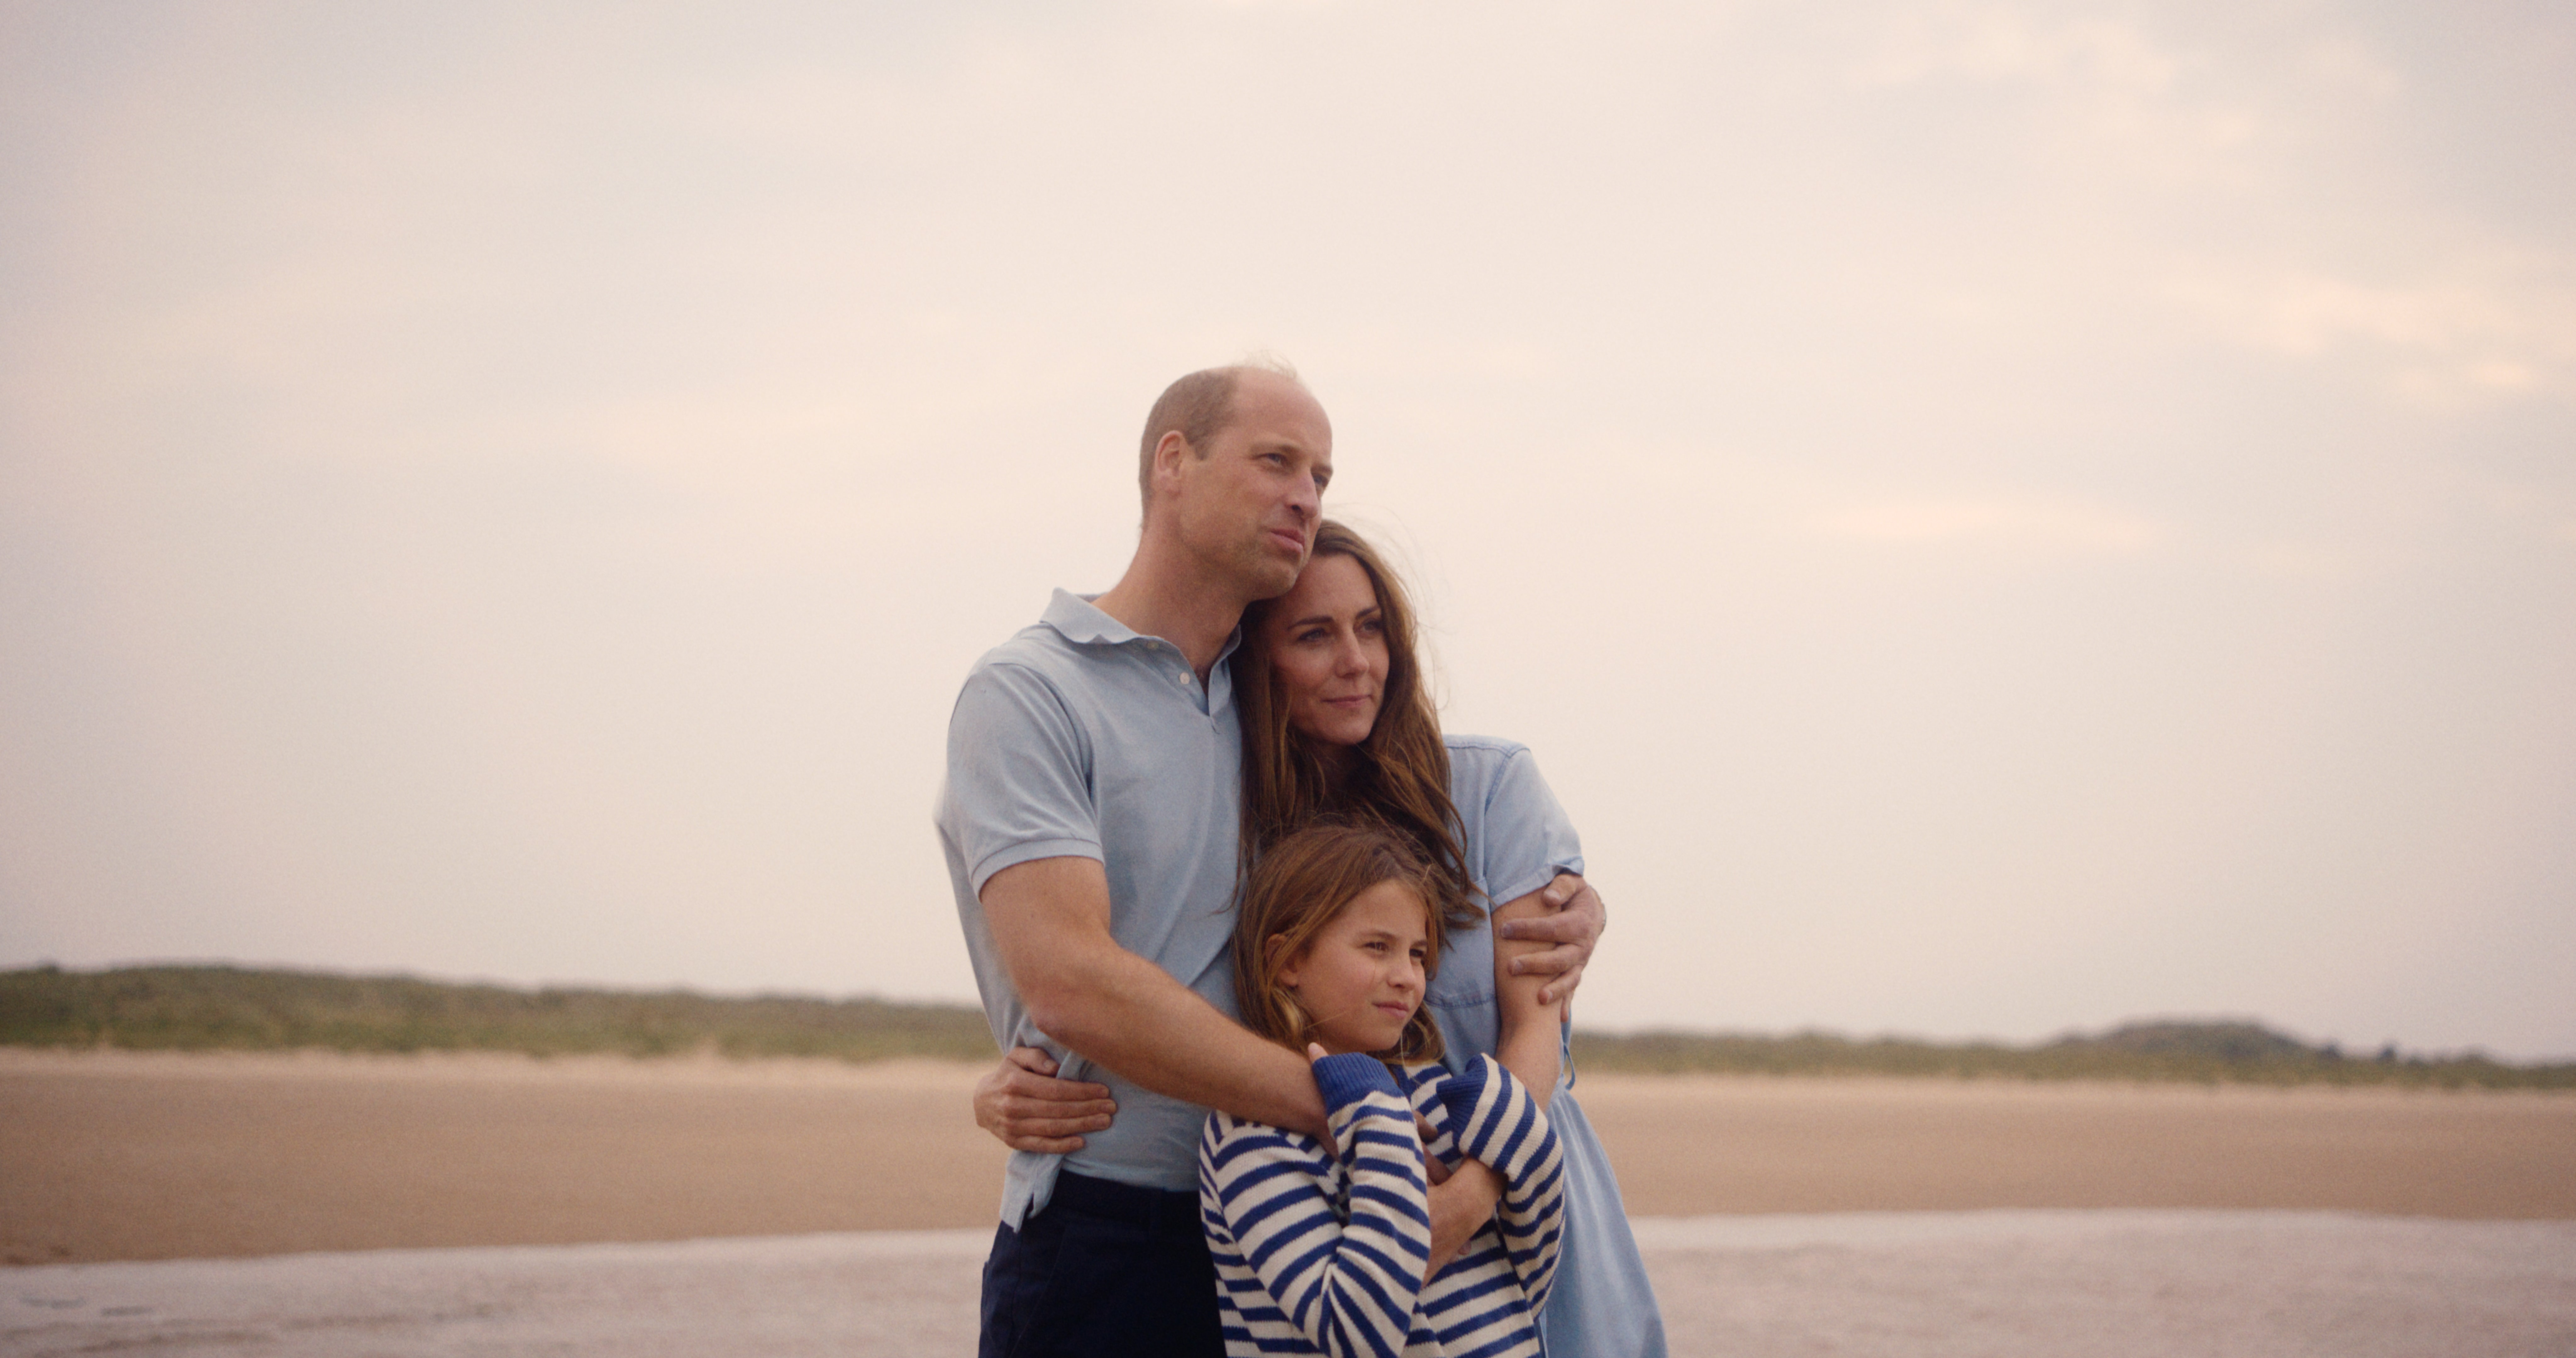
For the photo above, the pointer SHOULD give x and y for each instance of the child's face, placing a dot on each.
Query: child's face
(1361, 978)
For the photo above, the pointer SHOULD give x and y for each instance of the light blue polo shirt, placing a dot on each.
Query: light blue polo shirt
(1080, 738)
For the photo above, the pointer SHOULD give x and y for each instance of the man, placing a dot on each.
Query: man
(1089, 821)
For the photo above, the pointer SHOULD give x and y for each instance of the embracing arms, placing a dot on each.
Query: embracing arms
(1546, 937)
(1529, 1003)
(1050, 923)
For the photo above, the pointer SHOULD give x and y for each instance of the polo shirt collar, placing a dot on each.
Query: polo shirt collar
(1075, 618)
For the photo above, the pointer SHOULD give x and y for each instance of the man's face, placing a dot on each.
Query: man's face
(1249, 507)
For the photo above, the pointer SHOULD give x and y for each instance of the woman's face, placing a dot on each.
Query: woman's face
(1328, 647)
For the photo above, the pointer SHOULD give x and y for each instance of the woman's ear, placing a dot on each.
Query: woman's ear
(1285, 971)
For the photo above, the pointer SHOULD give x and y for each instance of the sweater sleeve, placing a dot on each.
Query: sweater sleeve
(1348, 1286)
(1495, 1120)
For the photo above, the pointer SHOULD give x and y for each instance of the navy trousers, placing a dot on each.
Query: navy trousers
(1105, 1270)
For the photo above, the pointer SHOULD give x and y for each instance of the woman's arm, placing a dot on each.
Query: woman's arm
(1349, 1287)
(1530, 1029)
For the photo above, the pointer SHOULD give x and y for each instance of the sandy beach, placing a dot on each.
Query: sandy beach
(437, 1205)
(136, 1156)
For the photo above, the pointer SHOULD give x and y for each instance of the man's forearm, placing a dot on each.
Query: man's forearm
(1050, 922)
(1132, 1017)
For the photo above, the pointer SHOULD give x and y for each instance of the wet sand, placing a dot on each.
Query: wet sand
(134, 1156)
(2101, 1284)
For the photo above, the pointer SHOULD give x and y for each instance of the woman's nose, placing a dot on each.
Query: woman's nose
(1347, 658)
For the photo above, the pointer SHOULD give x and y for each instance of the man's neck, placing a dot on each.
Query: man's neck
(1159, 597)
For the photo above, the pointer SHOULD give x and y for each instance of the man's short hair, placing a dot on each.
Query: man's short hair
(1197, 407)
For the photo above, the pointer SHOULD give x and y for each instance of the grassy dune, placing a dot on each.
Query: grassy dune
(239, 1009)
(2196, 1052)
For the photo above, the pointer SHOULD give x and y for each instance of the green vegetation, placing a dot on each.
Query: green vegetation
(2201, 1052)
(236, 1009)
(239, 1009)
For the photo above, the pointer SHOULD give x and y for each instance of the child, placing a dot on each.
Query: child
(1321, 1249)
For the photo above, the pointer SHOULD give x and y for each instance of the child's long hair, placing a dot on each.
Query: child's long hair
(1300, 884)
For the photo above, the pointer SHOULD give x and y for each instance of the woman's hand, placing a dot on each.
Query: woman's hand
(1576, 924)
(1027, 1109)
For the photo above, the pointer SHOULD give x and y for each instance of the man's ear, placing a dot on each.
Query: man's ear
(1170, 451)
(1286, 971)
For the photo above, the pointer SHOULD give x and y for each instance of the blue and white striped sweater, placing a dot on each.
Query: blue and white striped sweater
(1323, 1252)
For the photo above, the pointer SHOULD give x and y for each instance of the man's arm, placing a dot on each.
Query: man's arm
(1050, 923)
(1026, 1109)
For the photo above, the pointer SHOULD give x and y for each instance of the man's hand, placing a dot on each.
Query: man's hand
(1574, 928)
(1023, 1105)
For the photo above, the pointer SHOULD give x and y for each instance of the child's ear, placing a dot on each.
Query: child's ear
(1285, 971)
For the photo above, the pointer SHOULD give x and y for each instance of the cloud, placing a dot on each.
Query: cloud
(2116, 97)
(2013, 524)
(2484, 328)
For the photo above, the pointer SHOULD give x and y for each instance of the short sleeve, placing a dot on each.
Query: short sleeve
(1522, 837)
(1019, 775)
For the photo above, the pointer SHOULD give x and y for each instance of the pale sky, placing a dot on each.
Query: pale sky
(1995, 518)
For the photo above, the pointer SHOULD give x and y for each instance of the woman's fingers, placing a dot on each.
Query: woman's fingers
(1033, 1112)
(1035, 1118)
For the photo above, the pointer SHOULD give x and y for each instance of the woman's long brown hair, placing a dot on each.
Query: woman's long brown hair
(1401, 777)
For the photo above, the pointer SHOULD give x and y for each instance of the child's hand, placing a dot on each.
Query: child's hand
(1315, 1051)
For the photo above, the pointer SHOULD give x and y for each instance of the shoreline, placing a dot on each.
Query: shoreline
(133, 1155)
(710, 1067)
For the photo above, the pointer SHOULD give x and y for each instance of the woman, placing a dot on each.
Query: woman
(1336, 720)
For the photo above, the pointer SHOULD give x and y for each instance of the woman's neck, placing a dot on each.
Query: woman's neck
(1336, 762)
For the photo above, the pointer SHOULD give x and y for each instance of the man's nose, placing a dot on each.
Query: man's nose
(1307, 498)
